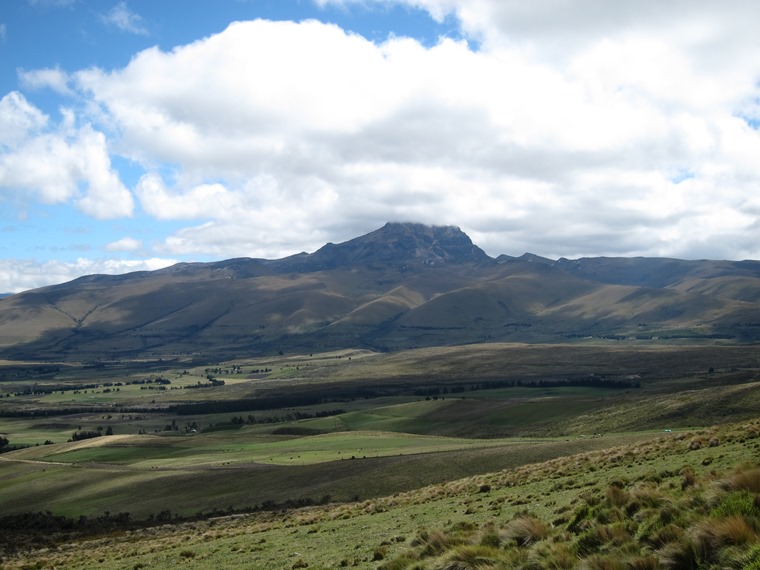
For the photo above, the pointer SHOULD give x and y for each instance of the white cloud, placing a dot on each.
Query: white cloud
(3, 31)
(18, 119)
(52, 78)
(124, 244)
(58, 165)
(125, 19)
(200, 201)
(566, 129)
(23, 274)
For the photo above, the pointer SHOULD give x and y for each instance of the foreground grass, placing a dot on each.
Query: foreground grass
(675, 501)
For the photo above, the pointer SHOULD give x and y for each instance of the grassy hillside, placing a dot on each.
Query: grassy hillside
(674, 501)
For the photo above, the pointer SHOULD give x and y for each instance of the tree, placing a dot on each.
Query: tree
(109, 430)
(3, 441)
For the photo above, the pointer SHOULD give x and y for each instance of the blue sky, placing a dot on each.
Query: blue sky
(136, 134)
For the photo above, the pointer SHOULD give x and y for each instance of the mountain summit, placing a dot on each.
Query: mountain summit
(395, 244)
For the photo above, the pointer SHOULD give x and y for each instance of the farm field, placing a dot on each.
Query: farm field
(431, 525)
(268, 444)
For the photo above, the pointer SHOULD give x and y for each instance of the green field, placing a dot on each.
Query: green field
(210, 451)
(393, 443)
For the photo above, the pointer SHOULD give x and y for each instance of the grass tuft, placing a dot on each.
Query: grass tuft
(525, 530)
(710, 536)
(747, 479)
(471, 557)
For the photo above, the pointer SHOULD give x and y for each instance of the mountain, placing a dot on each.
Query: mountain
(394, 244)
(403, 285)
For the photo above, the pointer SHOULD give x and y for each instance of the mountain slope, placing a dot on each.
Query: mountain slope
(403, 285)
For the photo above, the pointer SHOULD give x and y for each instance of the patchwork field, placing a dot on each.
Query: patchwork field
(344, 459)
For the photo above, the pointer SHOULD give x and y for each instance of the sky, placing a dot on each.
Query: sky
(136, 134)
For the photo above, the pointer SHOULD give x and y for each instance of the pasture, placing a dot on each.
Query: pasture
(258, 436)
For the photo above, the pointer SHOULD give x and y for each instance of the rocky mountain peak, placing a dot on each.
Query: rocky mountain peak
(396, 243)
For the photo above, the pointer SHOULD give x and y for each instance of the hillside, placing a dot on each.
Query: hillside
(679, 500)
(401, 286)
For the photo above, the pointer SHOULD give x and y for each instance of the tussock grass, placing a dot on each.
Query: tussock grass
(525, 530)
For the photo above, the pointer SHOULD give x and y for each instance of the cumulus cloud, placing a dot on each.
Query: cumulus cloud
(23, 274)
(125, 19)
(581, 134)
(566, 129)
(58, 164)
(18, 119)
(199, 201)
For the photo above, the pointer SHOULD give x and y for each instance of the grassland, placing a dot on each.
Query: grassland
(651, 504)
(382, 446)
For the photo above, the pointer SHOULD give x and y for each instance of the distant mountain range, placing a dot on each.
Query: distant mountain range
(401, 286)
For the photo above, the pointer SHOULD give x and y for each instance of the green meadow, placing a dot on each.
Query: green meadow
(356, 459)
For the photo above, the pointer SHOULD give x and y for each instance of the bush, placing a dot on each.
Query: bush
(80, 435)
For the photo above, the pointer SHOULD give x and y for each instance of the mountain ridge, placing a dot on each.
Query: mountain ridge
(400, 286)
